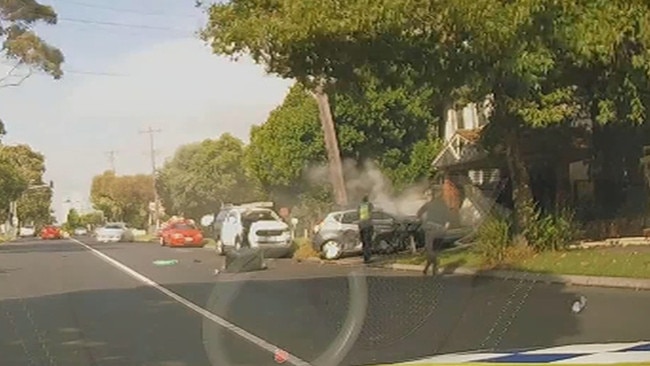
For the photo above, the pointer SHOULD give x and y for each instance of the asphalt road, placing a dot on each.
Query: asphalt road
(62, 304)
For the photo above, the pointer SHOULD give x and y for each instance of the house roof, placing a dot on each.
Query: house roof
(470, 135)
(462, 148)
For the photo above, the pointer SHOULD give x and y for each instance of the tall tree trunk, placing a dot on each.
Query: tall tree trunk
(562, 184)
(522, 194)
(331, 145)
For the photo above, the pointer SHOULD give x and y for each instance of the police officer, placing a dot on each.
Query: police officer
(365, 227)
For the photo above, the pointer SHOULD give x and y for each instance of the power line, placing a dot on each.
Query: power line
(124, 10)
(125, 25)
(67, 71)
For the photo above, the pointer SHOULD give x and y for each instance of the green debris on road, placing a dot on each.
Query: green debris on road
(165, 262)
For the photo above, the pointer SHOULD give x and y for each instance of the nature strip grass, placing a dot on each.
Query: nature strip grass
(628, 262)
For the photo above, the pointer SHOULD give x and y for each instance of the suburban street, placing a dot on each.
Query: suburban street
(61, 303)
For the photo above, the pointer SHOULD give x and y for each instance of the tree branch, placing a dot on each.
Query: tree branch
(4, 83)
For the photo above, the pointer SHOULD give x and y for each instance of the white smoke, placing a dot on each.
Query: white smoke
(368, 179)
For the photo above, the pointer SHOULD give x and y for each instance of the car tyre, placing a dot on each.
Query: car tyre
(332, 250)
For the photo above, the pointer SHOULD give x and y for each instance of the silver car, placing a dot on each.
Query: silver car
(115, 232)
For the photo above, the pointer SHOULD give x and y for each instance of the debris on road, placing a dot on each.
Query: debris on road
(165, 262)
(579, 304)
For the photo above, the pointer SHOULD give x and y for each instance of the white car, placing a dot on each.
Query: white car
(254, 227)
(114, 232)
(27, 231)
(80, 231)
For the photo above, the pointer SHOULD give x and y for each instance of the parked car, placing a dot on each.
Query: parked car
(182, 233)
(50, 232)
(80, 231)
(255, 227)
(114, 232)
(27, 231)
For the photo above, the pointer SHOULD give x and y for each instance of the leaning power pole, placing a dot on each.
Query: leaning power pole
(152, 151)
(111, 159)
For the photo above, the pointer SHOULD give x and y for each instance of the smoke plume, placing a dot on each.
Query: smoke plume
(367, 179)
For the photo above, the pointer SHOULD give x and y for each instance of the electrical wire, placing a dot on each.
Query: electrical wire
(125, 10)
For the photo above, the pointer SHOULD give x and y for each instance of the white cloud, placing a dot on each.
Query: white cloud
(179, 87)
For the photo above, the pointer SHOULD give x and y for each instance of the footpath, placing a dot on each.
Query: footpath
(615, 264)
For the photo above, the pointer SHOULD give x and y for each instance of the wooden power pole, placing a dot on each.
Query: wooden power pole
(152, 151)
(111, 159)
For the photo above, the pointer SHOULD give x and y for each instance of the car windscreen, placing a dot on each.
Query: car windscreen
(184, 226)
(113, 227)
(259, 215)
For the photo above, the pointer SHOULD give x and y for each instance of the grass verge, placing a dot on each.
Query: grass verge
(303, 249)
(146, 238)
(210, 243)
(630, 262)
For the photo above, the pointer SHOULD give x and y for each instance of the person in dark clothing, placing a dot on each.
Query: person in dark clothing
(366, 230)
(435, 218)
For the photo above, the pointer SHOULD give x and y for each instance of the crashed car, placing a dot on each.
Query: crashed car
(255, 227)
(338, 234)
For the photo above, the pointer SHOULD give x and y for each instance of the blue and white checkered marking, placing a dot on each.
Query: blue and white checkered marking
(598, 353)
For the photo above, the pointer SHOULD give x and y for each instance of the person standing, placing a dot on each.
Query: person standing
(435, 218)
(366, 230)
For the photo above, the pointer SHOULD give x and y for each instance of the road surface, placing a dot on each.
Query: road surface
(85, 303)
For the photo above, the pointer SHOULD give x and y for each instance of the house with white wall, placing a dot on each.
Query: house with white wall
(465, 166)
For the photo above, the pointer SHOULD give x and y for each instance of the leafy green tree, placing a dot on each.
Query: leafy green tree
(123, 198)
(93, 219)
(34, 204)
(12, 184)
(286, 145)
(387, 126)
(22, 45)
(202, 176)
(543, 62)
(73, 221)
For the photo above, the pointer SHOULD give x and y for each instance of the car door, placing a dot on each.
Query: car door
(229, 229)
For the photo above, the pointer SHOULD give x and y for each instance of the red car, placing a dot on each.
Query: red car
(51, 232)
(181, 234)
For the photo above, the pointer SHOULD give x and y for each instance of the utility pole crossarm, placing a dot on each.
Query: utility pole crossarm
(111, 159)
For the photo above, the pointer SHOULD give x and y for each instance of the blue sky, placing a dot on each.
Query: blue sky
(130, 65)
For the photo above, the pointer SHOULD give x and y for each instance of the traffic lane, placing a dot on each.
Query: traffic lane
(303, 307)
(61, 305)
(198, 265)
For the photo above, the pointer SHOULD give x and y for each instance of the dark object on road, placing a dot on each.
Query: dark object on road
(244, 260)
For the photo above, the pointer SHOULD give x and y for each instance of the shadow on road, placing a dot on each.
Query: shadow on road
(407, 317)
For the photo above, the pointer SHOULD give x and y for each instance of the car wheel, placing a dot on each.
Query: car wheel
(219, 248)
(162, 241)
(332, 249)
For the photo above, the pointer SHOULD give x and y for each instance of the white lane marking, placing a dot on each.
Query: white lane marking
(211, 316)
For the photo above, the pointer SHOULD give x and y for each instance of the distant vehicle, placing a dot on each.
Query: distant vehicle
(50, 232)
(27, 231)
(114, 232)
(181, 233)
(80, 231)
